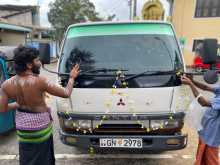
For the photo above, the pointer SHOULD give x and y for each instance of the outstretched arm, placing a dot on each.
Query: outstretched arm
(203, 86)
(59, 91)
(202, 100)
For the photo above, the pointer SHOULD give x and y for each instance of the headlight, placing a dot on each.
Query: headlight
(160, 124)
(86, 124)
(172, 123)
(83, 124)
(68, 123)
(156, 124)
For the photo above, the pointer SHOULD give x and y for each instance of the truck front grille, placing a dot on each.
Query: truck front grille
(128, 128)
(118, 128)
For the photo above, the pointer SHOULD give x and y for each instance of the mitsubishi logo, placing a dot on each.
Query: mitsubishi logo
(120, 102)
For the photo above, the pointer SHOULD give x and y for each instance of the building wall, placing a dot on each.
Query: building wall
(189, 27)
(21, 19)
(26, 19)
(9, 38)
(6, 12)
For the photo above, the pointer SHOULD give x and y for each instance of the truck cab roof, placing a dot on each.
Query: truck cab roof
(118, 22)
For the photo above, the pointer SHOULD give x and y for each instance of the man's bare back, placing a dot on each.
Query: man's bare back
(27, 87)
(29, 90)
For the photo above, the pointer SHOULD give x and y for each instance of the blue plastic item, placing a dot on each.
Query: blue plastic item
(7, 121)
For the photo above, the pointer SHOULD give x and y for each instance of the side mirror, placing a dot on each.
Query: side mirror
(211, 76)
(210, 47)
(44, 50)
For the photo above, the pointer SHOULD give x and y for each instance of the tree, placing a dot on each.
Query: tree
(111, 17)
(66, 12)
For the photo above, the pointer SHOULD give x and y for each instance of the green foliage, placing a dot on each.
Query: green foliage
(66, 12)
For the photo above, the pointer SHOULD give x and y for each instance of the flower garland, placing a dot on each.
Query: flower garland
(120, 83)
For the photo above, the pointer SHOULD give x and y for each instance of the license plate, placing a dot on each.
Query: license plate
(121, 142)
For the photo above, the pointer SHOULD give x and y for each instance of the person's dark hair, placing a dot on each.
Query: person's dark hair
(22, 56)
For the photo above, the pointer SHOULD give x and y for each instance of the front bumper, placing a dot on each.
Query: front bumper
(150, 142)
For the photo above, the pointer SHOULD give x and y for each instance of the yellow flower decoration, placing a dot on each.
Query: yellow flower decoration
(124, 84)
(148, 129)
(108, 104)
(113, 91)
(91, 150)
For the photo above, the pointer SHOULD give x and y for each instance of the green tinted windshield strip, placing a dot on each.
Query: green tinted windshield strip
(119, 29)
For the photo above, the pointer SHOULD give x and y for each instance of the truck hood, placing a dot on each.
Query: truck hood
(126, 100)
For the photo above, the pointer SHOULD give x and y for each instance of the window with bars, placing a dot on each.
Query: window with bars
(207, 8)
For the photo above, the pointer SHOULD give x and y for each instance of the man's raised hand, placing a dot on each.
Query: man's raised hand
(75, 71)
(186, 80)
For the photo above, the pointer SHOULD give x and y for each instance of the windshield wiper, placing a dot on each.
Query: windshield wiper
(105, 70)
(150, 73)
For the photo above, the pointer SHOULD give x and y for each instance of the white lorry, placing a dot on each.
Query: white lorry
(129, 95)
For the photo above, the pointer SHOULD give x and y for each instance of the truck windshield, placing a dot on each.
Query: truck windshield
(135, 53)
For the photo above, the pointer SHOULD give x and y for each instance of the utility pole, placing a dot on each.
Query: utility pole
(135, 9)
(130, 9)
(171, 8)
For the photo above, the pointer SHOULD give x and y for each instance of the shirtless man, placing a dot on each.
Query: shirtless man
(33, 118)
